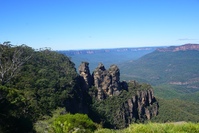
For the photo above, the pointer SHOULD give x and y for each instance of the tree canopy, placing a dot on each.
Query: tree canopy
(32, 84)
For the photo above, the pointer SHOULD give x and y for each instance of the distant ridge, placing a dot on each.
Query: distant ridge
(173, 70)
(184, 47)
(176, 65)
(107, 56)
(108, 50)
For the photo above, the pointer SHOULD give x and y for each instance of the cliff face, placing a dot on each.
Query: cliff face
(139, 105)
(142, 106)
(180, 48)
(130, 101)
(84, 73)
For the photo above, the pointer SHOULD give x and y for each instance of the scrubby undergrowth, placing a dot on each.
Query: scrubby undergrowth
(156, 128)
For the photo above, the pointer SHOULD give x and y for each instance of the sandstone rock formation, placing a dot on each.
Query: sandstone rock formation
(85, 74)
(107, 82)
(135, 101)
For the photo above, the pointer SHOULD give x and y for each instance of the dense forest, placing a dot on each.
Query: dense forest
(41, 91)
(30, 86)
(35, 83)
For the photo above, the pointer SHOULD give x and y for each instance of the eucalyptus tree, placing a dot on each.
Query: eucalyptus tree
(11, 60)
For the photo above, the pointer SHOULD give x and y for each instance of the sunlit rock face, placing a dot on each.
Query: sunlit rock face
(107, 82)
(84, 72)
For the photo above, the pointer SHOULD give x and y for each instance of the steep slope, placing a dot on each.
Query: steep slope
(176, 110)
(177, 67)
(32, 84)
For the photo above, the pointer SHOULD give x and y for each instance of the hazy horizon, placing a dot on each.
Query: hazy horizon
(113, 48)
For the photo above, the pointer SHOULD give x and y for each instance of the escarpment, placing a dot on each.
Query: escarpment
(122, 102)
(141, 106)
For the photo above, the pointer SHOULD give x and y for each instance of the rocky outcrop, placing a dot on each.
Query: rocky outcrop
(107, 82)
(131, 101)
(115, 76)
(84, 73)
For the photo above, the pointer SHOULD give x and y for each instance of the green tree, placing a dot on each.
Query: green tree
(15, 114)
(11, 60)
(33, 83)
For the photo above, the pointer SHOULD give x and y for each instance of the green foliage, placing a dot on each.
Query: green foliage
(15, 114)
(33, 84)
(105, 130)
(176, 110)
(44, 124)
(79, 123)
(68, 123)
(48, 79)
(162, 128)
(108, 109)
(11, 60)
(174, 75)
(164, 67)
(167, 91)
(157, 128)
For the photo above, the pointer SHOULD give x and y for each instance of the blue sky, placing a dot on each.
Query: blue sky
(91, 24)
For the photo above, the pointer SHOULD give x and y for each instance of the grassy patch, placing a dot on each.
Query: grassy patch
(157, 128)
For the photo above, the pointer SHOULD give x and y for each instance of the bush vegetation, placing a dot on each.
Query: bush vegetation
(109, 109)
(176, 110)
(164, 67)
(79, 123)
(156, 128)
(32, 84)
(35, 84)
(65, 123)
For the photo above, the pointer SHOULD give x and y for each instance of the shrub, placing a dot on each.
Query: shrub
(78, 123)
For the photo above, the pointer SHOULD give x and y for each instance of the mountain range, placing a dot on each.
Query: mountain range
(106, 56)
(184, 47)
(173, 70)
(38, 87)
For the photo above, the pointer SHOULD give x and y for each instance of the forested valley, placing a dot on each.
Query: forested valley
(41, 91)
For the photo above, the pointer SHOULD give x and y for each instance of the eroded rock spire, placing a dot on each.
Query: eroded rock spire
(84, 72)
